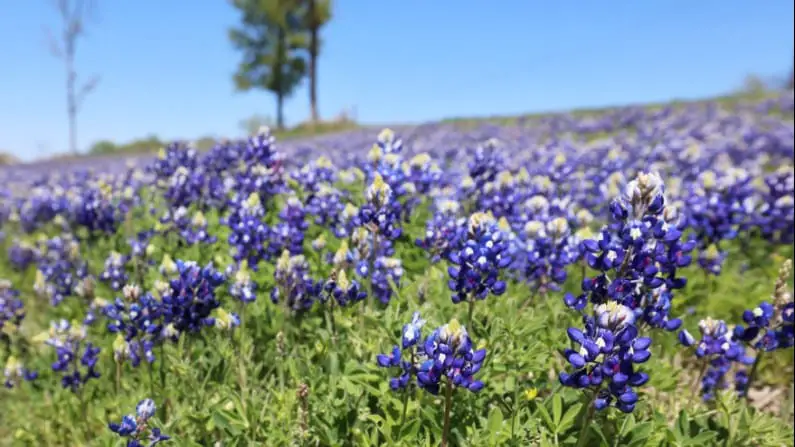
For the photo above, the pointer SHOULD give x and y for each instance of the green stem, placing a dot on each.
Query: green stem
(373, 259)
(586, 421)
(448, 404)
(405, 408)
(162, 372)
(471, 312)
(694, 387)
(117, 383)
(332, 323)
(151, 379)
(752, 374)
(406, 399)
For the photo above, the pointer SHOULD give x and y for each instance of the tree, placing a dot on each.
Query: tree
(315, 14)
(271, 41)
(74, 14)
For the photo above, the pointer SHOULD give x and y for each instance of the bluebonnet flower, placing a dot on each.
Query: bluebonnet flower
(319, 243)
(325, 206)
(486, 163)
(289, 233)
(776, 216)
(449, 356)
(343, 290)
(185, 187)
(40, 207)
(138, 320)
(261, 167)
(194, 230)
(715, 211)
(770, 326)
(249, 234)
(380, 213)
(12, 310)
(711, 259)
(226, 321)
(477, 261)
(423, 173)
(15, 372)
(718, 349)
(609, 350)
(294, 286)
(241, 285)
(59, 268)
(135, 427)
(411, 333)
(549, 248)
(172, 157)
(95, 211)
(191, 297)
(312, 177)
(395, 360)
(642, 251)
(386, 271)
(114, 273)
(76, 360)
(411, 343)
(501, 195)
(140, 244)
(21, 254)
(443, 232)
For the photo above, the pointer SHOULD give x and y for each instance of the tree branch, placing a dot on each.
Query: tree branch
(85, 89)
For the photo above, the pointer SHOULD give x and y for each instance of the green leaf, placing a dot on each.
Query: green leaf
(568, 419)
(557, 410)
(495, 421)
(683, 424)
(640, 432)
(597, 430)
(545, 415)
(227, 421)
(411, 429)
(702, 438)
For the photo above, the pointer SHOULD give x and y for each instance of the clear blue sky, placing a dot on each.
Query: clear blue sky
(166, 65)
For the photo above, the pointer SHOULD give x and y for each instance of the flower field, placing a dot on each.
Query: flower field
(621, 279)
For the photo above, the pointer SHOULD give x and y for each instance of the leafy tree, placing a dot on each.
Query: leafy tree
(315, 14)
(103, 147)
(271, 41)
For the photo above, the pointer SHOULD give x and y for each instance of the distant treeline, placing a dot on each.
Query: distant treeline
(151, 143)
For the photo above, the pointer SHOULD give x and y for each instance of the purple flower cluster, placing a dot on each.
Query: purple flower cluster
(190, 298)
(478, 260)
(135, 428)
(607, 353)
(76, 360)
(444, 357)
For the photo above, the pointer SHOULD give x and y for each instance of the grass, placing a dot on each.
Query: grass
(242, 388)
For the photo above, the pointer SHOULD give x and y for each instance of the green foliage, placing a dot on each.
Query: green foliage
(243, 388)
(271, 41)
(7, 159)
(143, 145)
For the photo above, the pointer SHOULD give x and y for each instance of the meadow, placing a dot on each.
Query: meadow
(612, 279)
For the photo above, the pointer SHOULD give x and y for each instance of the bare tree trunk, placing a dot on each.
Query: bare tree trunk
(71, 99)
(313, 53)
(73, 15)
(279, 111)
(281, 52)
